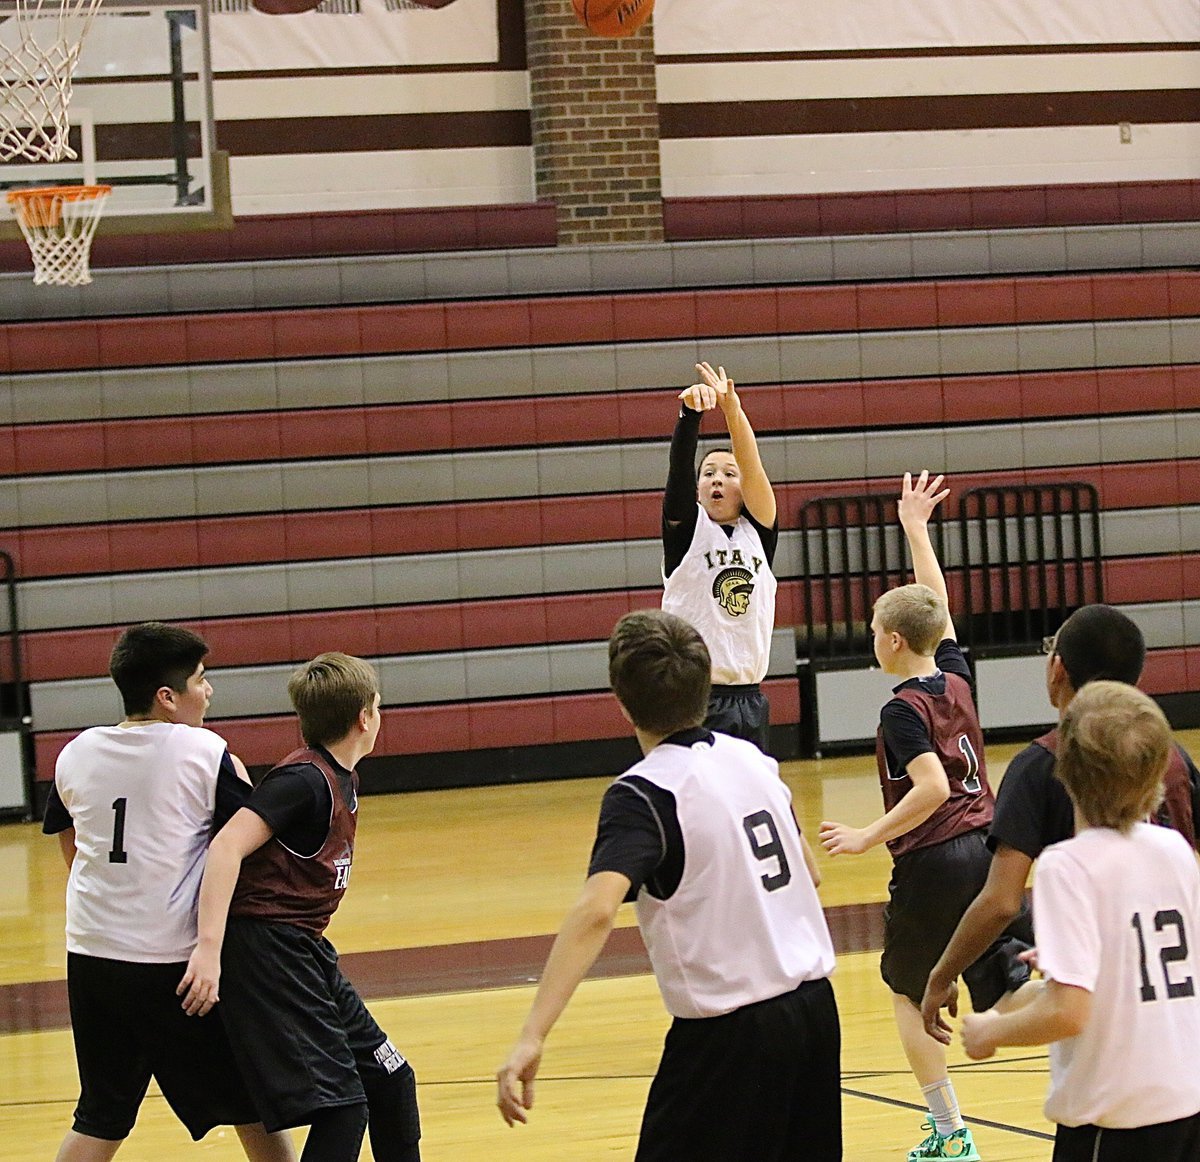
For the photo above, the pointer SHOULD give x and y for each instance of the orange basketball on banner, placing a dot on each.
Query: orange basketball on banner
(613, 17)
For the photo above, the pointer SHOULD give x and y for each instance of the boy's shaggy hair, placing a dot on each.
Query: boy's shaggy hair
(659, 668)
(329, 693)
(1113, 748)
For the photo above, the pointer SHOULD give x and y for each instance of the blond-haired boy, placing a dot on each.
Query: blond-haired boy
(1117, 914)
(938, 805)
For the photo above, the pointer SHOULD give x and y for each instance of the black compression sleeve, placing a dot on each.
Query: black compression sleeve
(394, 1121)
(679, 499)
(335, 1134)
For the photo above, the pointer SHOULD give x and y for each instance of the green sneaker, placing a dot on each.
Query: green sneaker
(959, 1146)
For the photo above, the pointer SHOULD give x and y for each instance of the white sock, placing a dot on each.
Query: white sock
(943, 1107)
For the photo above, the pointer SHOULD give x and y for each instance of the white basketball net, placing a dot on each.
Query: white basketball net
(40, 42)
(59, 223)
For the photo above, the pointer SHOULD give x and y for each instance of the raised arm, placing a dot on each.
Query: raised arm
(757, 494)
(579, 941)
(915, 507)
(244, 833)
(679, 498)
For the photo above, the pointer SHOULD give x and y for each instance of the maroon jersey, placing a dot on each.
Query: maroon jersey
(947, 710)
(282, 886)
(1175, 810)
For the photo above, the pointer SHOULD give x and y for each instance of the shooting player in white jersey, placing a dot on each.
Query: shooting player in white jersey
(134, 807)
(1116, 913)
(719, 536)
(701, 835)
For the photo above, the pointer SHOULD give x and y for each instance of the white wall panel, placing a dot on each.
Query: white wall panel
(727, 26)
(357, 96)
(381, 181)
(925, 76)
(837, 163)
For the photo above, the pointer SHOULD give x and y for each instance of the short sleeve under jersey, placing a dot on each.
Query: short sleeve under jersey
(638, 834)
(294, 802)
(905, 734)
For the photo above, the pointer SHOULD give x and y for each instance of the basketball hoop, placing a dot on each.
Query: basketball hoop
(40, 43)
(58, 223)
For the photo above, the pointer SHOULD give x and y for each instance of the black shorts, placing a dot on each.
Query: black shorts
(129, 1026)
(1177, 1141)
(930, 890)
(302, 1036)
(760, 1084)
(742, 711)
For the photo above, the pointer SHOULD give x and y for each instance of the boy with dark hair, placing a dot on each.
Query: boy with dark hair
(134, 807)
(1033, 810)
(701, 834)
(1117, 913)
(939, 804)
(719, 539)
(275, 875)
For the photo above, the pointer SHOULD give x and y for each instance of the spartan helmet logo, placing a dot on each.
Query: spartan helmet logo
(732, 589)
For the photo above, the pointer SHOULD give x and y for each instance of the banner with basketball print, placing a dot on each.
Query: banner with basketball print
(258, 36)
(683, 27)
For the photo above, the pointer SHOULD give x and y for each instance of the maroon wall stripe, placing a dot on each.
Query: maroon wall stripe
(722, 119)
(282, 236)
(371, 133)
(1000, 207)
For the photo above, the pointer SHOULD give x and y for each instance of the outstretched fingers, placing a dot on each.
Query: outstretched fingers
(700, 397)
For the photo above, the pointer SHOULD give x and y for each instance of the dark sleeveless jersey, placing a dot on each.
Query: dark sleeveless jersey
(1176, 809)
(955, 737)
(279, 885)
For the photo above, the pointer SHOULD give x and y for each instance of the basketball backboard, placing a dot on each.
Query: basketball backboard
(141, 119)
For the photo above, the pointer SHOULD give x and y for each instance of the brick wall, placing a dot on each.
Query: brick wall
(595, 128)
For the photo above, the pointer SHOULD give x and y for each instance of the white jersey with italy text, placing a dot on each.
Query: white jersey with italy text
(1119, 916)
(141, 800)
(745, 924)
(725, 588)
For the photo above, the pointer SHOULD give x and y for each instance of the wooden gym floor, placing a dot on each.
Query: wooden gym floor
(453, 900)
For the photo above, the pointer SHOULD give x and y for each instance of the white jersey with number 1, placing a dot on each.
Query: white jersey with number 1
(141, 800)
